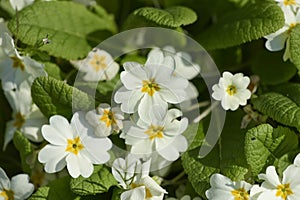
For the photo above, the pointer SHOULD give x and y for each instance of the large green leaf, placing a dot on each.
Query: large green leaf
(99, 182)
(279, 107)
(25, 149)
(294, 43)
(271, 68)
(40, 194)
(290, 90)
(72, 29)
(170, 17)
(243, 25)
(264, 145)
(227, 157)
(56, 97)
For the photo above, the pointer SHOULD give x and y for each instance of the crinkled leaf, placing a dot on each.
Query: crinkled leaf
(40, 194)
(25, 149)
(56, 97)
(294, 42)
(72, 29)
(243, 25)
(171, 17)
(271, 68)
(290, 90)
(264, 145)
(222, 159)
(99, 182)
(279, 107)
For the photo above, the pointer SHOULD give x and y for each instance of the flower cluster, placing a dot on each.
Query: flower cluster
(280, 39)
(273, 186)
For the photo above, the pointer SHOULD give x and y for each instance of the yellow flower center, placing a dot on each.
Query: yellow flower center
(74, 146)
(155, 132)
(148, 193)
(17, 63)
(231, 90)
(7, 194)
(98, 62)
(150, 87)
(19, 121)
(240, 194)
(289, 2)
(284, 191)
(108, 118)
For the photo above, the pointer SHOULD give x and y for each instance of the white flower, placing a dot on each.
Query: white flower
(27, 118)
(223, 188)
(185, 197)
(276, 41)
(133, 176)
(153, 83)
(232, 90)
(162, 133)
(20, 4)
(289, 4)
(274, 188)
(97, 66)
(297, 160)
(105, 120)
(71, 145)
(18, 188)
(15, 69)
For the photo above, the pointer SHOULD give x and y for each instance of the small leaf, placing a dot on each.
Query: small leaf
(294, 42)
(243, 25)
(171, 17)
(264, 145)
(271, 69)
(25, 149)
(279, 107)
(99, 182)
(40, 194)
(56, 97)
(70, 27)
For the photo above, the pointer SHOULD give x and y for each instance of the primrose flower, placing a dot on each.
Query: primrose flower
(232, 90)
(276, 41)
(15, 69)
(153, 83)
(26, 117)
(71, 145)
(18, 188)
(287, 188)
(133, 176)
(289, 4)
(223, 188)
(97, 66)
(161, 134)
(105, 120)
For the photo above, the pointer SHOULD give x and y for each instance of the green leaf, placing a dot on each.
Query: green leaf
(99, 182)
(25, 149)
(60, 189)
(170, 17)
(279, 107)
(72, 29)
(52, 70)
(271, 69)
(264, 145)
(56, 97)
(294, 43)
(40, 194)
(243, 25)
(290, 90)
(222, 159)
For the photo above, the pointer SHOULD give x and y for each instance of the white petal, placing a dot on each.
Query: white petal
(53, 136)
(271, 176)
(155, 57)
(131, 82)
(276, 43)
(218, 194)
(154, 188)
(135, 69)
(96, 149)
(9, 133)
(129, 99)
(221, 182)
(297, 160)
(53, 157)
(138, 193)
(62, 126)
(169, 153)
(4, 180)
(78, 165)
(21, 186)
(269, 194)
(291, 175)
